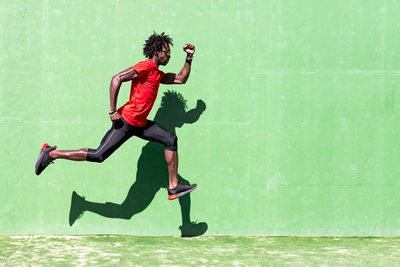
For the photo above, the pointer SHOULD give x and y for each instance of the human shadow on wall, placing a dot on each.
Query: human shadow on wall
(152, 172)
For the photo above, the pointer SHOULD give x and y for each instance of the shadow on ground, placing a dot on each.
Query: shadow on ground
(152, 172)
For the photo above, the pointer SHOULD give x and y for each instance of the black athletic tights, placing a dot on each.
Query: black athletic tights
(122, 131)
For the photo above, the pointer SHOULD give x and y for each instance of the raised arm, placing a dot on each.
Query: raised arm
(183, 75)
(116, 81)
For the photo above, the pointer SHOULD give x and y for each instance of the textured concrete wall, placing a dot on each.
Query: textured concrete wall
(299, 136)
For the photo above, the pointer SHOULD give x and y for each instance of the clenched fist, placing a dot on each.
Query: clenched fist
(115, 116)
(189, 49)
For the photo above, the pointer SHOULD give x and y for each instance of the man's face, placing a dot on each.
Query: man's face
(164, 55)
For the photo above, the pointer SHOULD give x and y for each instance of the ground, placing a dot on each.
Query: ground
(108, 250)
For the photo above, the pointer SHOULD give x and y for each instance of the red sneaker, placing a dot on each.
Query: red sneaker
(180, 190)
(44, 158)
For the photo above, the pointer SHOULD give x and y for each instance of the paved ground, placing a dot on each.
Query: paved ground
(200, 251)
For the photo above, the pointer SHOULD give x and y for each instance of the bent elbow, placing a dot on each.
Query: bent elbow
(116, 79)
(180, 81)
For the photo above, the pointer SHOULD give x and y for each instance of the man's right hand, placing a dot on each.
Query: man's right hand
(115, 117)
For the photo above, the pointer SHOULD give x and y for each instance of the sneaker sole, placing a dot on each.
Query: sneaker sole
(175, 196)
(40, 159)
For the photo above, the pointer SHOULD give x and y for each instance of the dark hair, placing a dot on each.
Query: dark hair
(155, 43)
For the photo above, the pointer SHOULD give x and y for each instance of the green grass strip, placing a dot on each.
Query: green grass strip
(109, 250)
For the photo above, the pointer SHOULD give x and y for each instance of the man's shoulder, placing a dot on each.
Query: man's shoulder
(145, 62)
(143, 65)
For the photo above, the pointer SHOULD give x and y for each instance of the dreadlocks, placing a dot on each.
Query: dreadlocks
(155, 43)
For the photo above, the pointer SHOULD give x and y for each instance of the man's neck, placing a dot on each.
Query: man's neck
(155, 60)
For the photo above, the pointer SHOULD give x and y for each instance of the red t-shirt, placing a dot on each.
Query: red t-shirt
(143, 93)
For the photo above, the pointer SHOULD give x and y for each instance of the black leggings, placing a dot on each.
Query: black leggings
(122, 131)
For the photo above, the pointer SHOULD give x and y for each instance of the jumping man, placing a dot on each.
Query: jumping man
(131, 118)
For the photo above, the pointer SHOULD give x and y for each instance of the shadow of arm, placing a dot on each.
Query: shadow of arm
(194, 114)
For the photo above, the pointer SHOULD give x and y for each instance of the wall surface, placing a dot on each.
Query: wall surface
(300, 135)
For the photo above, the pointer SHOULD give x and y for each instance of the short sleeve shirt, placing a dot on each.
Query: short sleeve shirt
(143, 94)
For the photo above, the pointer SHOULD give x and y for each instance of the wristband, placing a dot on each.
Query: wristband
(112, 111)
(189, 59)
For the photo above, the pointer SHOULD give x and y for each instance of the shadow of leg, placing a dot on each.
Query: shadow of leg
(189, 228)
(139, 197)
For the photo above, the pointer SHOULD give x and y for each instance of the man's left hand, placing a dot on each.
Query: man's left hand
(189, 49)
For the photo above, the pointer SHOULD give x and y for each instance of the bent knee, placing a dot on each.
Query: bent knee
(93, 156)
(97, 159)
(172, 143)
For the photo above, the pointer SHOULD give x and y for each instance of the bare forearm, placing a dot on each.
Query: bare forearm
(185, 72)
(116, 81)
(114, 89)
(183, 75)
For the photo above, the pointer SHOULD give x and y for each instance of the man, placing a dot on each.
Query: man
(131, 118)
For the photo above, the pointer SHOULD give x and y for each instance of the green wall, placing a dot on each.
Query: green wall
(300, 135)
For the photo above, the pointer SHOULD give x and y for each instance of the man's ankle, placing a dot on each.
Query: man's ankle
(172, 186)
(53, 154)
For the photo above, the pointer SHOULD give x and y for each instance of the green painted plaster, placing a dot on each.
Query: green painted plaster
(299, 136)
